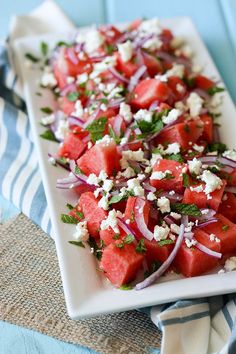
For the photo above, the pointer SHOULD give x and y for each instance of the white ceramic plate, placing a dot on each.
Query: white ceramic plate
(87, 293)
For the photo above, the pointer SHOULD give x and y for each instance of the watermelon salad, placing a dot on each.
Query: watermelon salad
(137, 127)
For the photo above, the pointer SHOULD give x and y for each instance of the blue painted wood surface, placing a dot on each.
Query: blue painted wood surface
(216, 22)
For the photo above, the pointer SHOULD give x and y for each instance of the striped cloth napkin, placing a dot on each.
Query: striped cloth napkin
(201, 326)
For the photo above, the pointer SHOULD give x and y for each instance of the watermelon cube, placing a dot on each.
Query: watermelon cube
(102, 156)
(121, 264)
(173, 180)
(191, 261)
(224, 230)
(228, 207)
(92, 213)
(155, 252)
(109, 236)
(72, 147)
(207, 133)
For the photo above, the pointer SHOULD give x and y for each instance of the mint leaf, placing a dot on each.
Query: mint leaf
(78, 171)
(32, 58)
(175, 157)
(46, 110)
(117, 198)
(225, 227)
(69, 206)
(165, 242)
(97, 128)
(186, 209)
(48, 135)
(186, 180)
(80, 214)
(73, 96)
(220, 147)
(169, 176)
(113, 135)
(96, 250)
(215, 89)
(140, 248)
(68, 219)
(77, 243)
(62, 43)
(128, 239)
(44, 48)
(126, 287)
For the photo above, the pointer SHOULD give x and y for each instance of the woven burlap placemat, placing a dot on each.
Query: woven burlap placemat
(31, 295)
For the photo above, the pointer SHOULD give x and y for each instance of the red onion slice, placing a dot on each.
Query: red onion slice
(205, 223)
(156, 275)
(139, 218)
(68, 88)
(118, 76)
(169, 220)
(148, 187)
(127, 229)
(140, 42)
(92, 117)
(208, 251)
(135, 78)
(76, 121)
(230, 189)
(202, 93)
(71, 55)
(173, 198)
(117, 125)
(153, 106)
(116, 103)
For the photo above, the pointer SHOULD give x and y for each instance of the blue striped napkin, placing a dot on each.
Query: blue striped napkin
(201, 326)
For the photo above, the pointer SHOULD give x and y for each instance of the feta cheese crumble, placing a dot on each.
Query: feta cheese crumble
(81, 231)
(190, 243)
(195, 166)
(171, 116)
(194, 103)
(103, 202)
(93, 179)
(158, 175)
(134, 185)
(151, 196)
(161, 232)
(48, 119)
(173, 148)
(176, 70)
(212, 181)
(125, 50)
(111, 221)
(78, 109)
(143, 114)
(48, 80)
(91, 38)
(125, 112)
(163, 204)
(132, 156)
(230, 264)
(230, 154)
(62, 129)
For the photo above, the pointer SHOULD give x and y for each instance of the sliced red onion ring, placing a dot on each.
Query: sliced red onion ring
(127, 133)
(71, 55)
(213, 159)
(165, 56)
(76, 121)
(174, 198)
(169, 220)
(230, 189)
(68, 88)
(205, 223)
(147, 186)
(153, 106)
(140, 42)
(81, 176)
(98, 58)
(135, 78)
(202, 93)
(208, 251)
(127, 229)
(92, 117)
(189, 235)
(117, 125)
(156, 275)
(139, 218)
(216, 133)
(185, 220)
(118, 76)
(116, 103)
(139, 57)
(206, 214)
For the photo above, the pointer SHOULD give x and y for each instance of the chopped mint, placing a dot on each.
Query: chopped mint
(77, 243)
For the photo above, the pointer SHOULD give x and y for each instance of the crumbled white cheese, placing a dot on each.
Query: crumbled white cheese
(194, 103)
(175, 228)
(107, 185)
(62, 129)
(172, 193)
(196, 68)
(92, 39)
(115, 93)
(70, 79)
(93, 179)
(230, 154)
(48, 119)
(81, 233)
(187, 51)
(103, 107)
(198, 148)
(163, 204)
(90, 144)
(190, 243)
(128, 172)
(104, 65)
(132, 156)
(154, 158)
(158, 175)
(176, 70)
(180, 88)
(126, 50)
(48, 80)
(171, 116)
(173, 148)
(230, 264)
(123, 141)
(177, 42)
(176, 216)
(134, 185)
(82, 78)
(197, 189)
(143, 114)
(212, 181)
(214, 238)
(151, 196)
(52, 161)
(106, 140)
(152, 43)
(150, 26)
(161, 232)
(104, 203)
(102, 175)
(97, 192)
(195, 166)
(125, 112)
(78, 109)
(111, 221)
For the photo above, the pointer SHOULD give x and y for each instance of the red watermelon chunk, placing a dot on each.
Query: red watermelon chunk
(200, 199)
(72, 147)
(109, 235)
(191, 261)
(130, 215)
(207, 133)
(174, 181)
(102, 156)
(225, 230)
(121, 264)
(127, 68)
(182, 133)
(92, 213)
(228, 207)
(155, 252)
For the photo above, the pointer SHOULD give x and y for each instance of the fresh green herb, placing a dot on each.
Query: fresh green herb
(38, 93)
(128, 239)
(32, 58)
(73, 96)
(46, 110)
(215, 89)
(120, 244)
(186, 180)
(140, 248)
(186, 209)
(168, 176)
(165, 242)
(113, 135)
(225, 227)
(186, 128)
(80, 214)
(48, 135)
(155, 266)
(190, 82)
(110, 48)
(62, 43)
(97, 251)
(89, 93)
(44, 48)
(102, 244)
(217, 146)
(77, 243)
(193, 153)
(104, 100)
(126, 287)
(152, 127)
(117, 198)
(175, 157)
(116, 237)
(78, 171)
(62, 161)
(97, 128)
(68, 219)
(69, 206)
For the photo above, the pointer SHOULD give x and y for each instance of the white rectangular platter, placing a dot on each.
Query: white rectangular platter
(87, 293)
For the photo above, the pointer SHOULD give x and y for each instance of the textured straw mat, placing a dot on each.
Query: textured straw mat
(31, 295)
